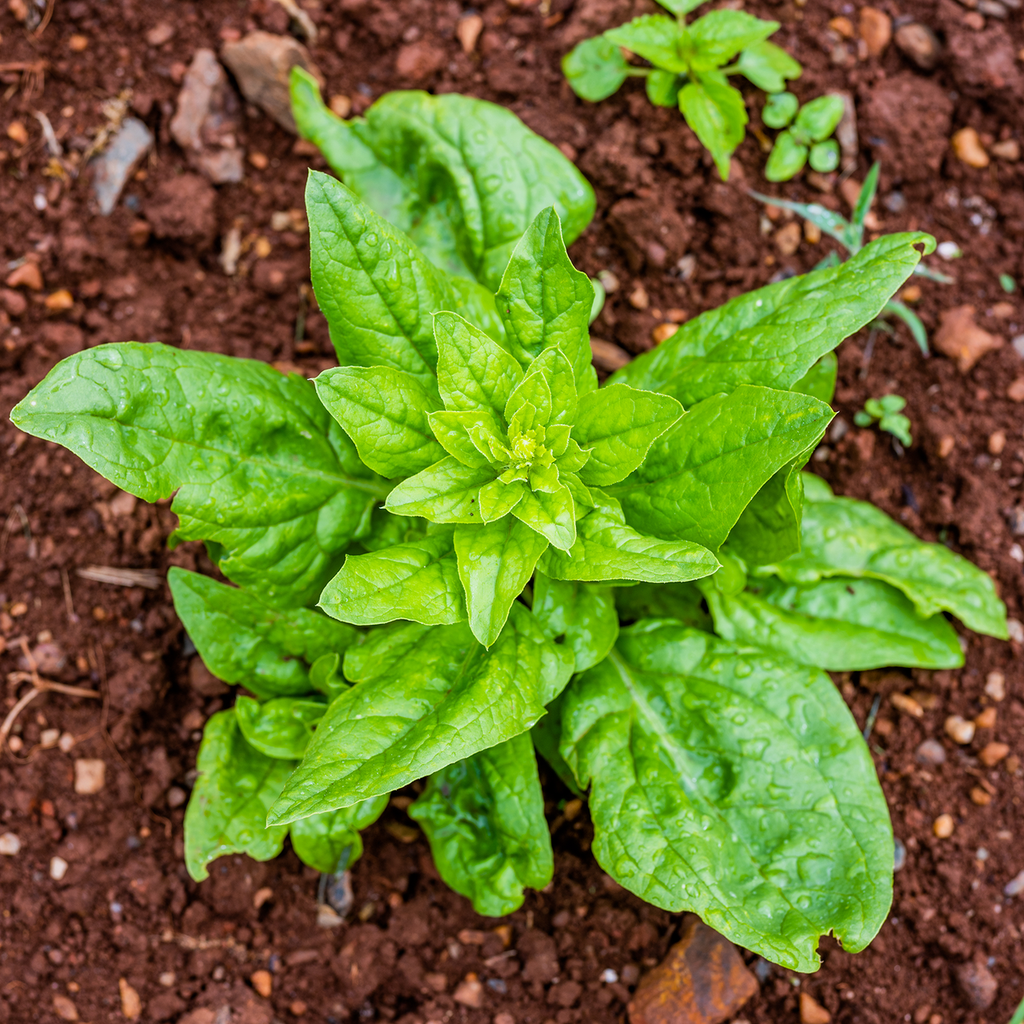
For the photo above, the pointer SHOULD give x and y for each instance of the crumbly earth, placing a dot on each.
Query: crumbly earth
(125, 907)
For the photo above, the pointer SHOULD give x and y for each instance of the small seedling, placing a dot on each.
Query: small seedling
(1007, 283)
(887, 412)
(806, 139)
(691, 65)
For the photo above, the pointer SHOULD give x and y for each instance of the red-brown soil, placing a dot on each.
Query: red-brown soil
(126, 908)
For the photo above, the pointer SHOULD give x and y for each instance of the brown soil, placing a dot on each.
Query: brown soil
(126, 908)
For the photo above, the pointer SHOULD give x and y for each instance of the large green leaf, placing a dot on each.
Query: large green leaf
(233, 792)
(702, 473)
(259, 467)
(446, 492)
(774, 335)
(244, 640)
(474, 372)
(840, 624)
(424, 698)
(581, 613)
(331, 842)
(465, 178)
(484, 817)
(281, 727)
(735, 784)
(843, 537)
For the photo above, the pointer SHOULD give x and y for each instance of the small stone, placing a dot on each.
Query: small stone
(25, 276)
(340, 105)
(59, 301)
(977, 984)
(1003, 310)
(638, 297)
(968, 148)
(17, 132)
(812, 233)
(162, 32)
(168, 979)
(263, 982)
(842, 27)
(113, 167)
(980, 797)
(788, 237)
(259, 160)
(131, 1004)
(949, 250)
(469, 992)
(65, 1008)
(419, 60)
(1015, 392)
(49, 738)
(1015, 886)
(907, 705)
(78, 43)
(328, 917)
(663, 332)
(607, 356)
(10, 845)
(812, 1012)
(58, 868)
(297, 1008)
(468, 30)
(261, 63)
(702, 979)
(504, 1018)
(995, 686)
(176, 797)
(987, 719)
(931, 753)
(912, 293)
(974, 20)
(961, 338)
(943, 826)
(90, 776)
(1008, 150)
(992, 8)
(875, 29)
(959, 730)
(609, 281)
(919, 43)
(992, 753)
(1016, 630)
(996, 442)
(261, 896)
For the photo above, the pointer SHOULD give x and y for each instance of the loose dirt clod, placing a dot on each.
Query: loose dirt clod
(960, 338)
(25, 276)
(977, 983)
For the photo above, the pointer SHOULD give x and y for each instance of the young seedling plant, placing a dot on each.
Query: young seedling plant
(806, 138)
(887, 412)
(455, 547)
(690, 68)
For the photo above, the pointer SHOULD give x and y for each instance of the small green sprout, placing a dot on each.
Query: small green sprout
(806, 138)
(1007, 283)
(888, 412)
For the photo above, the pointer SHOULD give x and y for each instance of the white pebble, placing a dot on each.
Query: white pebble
(48, 738)
(1015, 885)
(1018, 344)
(66, 741)
(1016, 630)
(39, 201)
(1017, 553)
(995, 686)
(10, 844)
(609, 977)
(959, 730)
(949, 250)
(58, 868)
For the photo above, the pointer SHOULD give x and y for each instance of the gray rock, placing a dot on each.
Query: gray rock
(931, 752)
(112, 168)
(977, 984)
(1015, 886)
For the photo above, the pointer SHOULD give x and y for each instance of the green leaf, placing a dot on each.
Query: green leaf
(544, 301)
(607, 550)
(678, 7)
(484, 818)
(325, 676)
(717, 115)
(718, 36)
(497, 499)
(734, 784)
(496, 562)
(702, 473)
(281, 727)
(233, 792)
(444, 493)
(244, 640)
(474, 438)
(774, 335)
(820, 380)
(424, 697)
(786, 159)
(619, 424)
(532, 392)
(818, 119)
(372, 283)
(385, 413)
(581, 613)
(474, 372)
(839, 624)
(417, 581)
(655, 37)
(780, 109)
(663, 87)
(331, 842)
(595, 69)
(680, 601)
(260, 468)
(899, 309)
(463, 177)
(769, 528)
(863, 205)
(843, 537)
(824, 156)
(552, 514)
(768, 66)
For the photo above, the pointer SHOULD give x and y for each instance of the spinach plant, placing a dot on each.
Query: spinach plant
(806, 135)
(690, 68)
(887, 412)
(456, 548)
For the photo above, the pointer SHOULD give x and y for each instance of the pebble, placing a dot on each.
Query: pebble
(162, 32)
(943, 826)
(340, 105)
(842, 26)
(992, 753)
(919, 43)
(875, 29)
(1015, 886)
(961, 338)
(27, 275)
(90, 776)
(65, 1008)
(10, 845)
(58, 868)
(930, 752)
(812, 1012)
(131, 1003)
(977, 984)
(168, 979)
(176, 797)
(638, 297)
(1016, 630)
(469, 992)
(846, 133)
(608, 357)
(959, 730)
(112, 168)
(261, 63)
(297, 1008)
(59, 301)
(812, 233)
(1008, 150)
(663, 332)
(968, 148)
(788, 238)
(986, 719)
(907, 705)
(263, 982)
(468, 30)
(17, 132)
(949, 250)
(980, 797)
(1015, 392)
(995, 686)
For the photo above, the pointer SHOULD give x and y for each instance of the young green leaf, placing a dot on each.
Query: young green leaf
(786, 159)
(445, 493)
(840, 624)
(244, 640)
(581, 613)
(496, 562)
(768, 66)
(678, 7)
(619, 424)
(774, 335)
(595, 68)
(818, 119)
(233, 792)
(718, 36)
(544, 300)
(474, 372)
(663, 88)
(717, 115)
(331, 842)
(780, 109)
(703, 472)
(475, 439)
(281, 727)
(843, 537)
(824, 156)
(551, 513)
(691, 811)
(423, 698)
(655, 37)
(385, 412)
(417, 581)
(484, 818)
